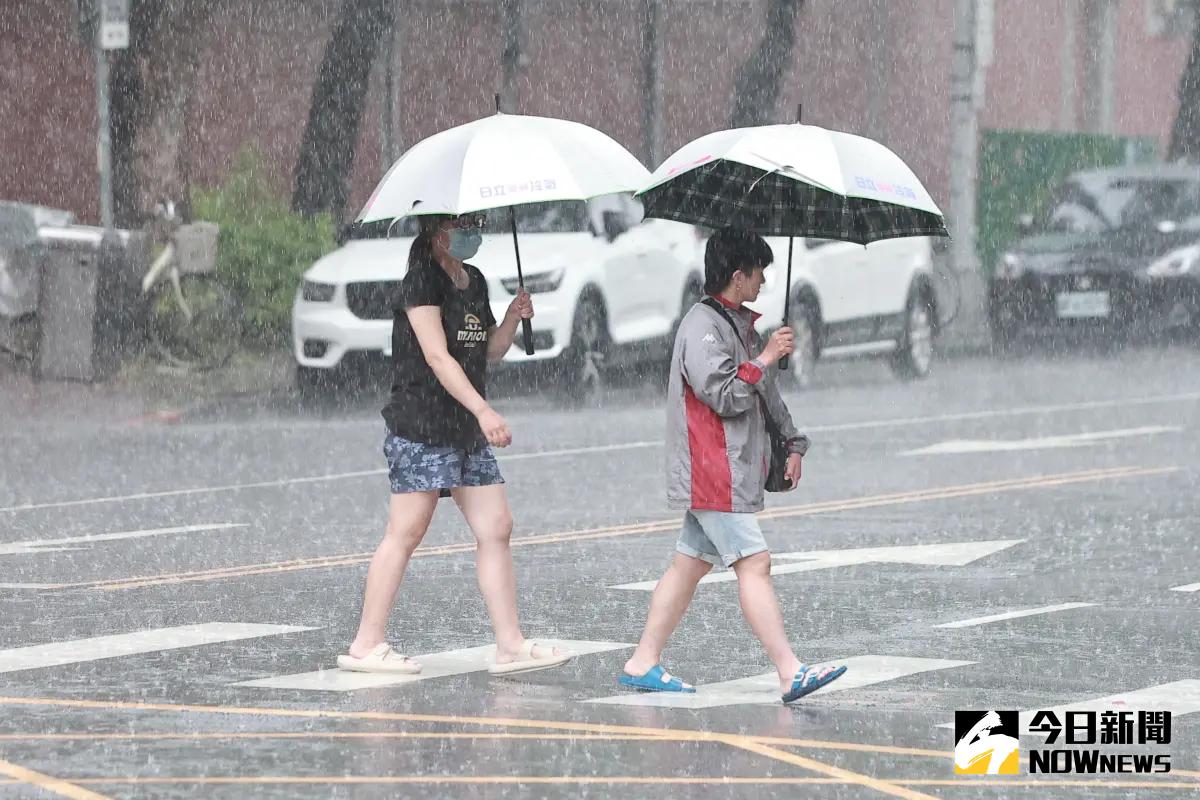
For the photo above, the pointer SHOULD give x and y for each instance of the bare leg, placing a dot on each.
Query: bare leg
(760, 607)
(667, 605)
(486, 510)
(408, 520)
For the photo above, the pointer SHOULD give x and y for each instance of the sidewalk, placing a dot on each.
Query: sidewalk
(144, 392)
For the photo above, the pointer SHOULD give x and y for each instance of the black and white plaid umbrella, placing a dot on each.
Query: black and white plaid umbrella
(727, 193)
(793, 180)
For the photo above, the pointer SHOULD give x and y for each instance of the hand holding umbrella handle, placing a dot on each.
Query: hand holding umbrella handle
(787, 286)
(526, 325)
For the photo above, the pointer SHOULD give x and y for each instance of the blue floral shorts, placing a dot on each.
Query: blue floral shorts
(417, 467)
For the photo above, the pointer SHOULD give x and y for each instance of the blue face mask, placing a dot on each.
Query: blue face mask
(464, 242)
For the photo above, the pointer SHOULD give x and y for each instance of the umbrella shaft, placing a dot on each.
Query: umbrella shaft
(526, 325)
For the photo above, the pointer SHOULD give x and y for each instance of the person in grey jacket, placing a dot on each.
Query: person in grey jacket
(722, 382)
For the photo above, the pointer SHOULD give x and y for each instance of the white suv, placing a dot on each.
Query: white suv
(852, 301)
(608, 288)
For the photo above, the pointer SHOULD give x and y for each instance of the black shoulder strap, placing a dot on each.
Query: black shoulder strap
(720, 309)
(715, 305)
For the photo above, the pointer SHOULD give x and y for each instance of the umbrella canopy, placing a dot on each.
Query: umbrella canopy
(793, 180)
(500, 161)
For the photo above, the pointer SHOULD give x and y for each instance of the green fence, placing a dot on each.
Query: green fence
(1019, 169)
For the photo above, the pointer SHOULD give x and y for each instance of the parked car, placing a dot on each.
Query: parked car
(609, 288)
(1114, 251)
(854, 301)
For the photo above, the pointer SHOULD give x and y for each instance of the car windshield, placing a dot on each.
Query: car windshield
(1091, 206)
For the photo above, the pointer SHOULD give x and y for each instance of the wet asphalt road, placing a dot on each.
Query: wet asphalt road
(1054, 479)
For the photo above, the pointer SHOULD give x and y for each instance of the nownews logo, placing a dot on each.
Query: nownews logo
(988, 742)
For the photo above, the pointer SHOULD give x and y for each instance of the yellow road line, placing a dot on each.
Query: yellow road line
(237, 780)
(1062, 782)
(631, 737)
(666, 734)
(632, 529)
(828, 770)
(733, 780)
(224, 735)
(42, 781)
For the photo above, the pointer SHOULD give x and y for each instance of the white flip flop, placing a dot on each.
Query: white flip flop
(525, 662)
(382, 659)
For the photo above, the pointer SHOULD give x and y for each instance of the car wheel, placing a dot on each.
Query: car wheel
(583, 361)
(802, 366)
(915, 351)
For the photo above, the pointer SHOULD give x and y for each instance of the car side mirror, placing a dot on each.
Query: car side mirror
(614, 225)
(1025, 223)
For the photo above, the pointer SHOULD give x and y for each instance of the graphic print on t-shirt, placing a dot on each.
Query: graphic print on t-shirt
(472, 331)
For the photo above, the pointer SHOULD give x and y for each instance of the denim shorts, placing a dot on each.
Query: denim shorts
(720, 537)
(418, 467)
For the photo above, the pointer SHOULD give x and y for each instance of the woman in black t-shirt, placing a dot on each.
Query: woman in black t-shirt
(440, 431)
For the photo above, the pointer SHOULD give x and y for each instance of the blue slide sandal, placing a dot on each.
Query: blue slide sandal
(656, 679)
(809, 679)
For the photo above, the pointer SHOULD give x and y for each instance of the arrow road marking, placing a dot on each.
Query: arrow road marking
(763, 689)
(955, 554)
(1005, 445)
(1191, 587)
(433, 665)
(57, 545)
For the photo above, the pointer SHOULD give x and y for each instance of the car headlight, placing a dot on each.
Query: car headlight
(314, 292)
(1177, 262)
(535, 284)
(1010, 267)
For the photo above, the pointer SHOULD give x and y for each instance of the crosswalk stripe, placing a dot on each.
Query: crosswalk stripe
(1178, 697)
(1024, 612)
(125, 644)
(861, 671)
(433, 665)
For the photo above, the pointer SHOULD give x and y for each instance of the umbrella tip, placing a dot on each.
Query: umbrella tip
(799, 112)
(498, 109)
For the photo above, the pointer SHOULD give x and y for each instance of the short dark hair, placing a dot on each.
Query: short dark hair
(730, 250)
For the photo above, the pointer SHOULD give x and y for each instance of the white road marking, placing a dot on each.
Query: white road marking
(954, 554)
(864, 425)
(1024, 612)
(234, 487)
(1191, 587)
(125, 644)
(1178, 697)
(56, 545)
(433, 665)
(764, 689)
(958, 446)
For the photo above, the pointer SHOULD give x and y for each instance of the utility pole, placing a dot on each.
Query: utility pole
(964, 137)
(510, 55)
(651, 84)
(387, 111)
(964, 166)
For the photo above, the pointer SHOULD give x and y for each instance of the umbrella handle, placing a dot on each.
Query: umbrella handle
(526, 325)
(787, 297)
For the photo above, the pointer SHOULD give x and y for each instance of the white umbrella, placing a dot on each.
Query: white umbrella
(503, 161)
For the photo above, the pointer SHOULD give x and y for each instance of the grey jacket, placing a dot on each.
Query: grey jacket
(717, 447)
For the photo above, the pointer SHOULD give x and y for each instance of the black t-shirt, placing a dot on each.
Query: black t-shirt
(420, 409)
